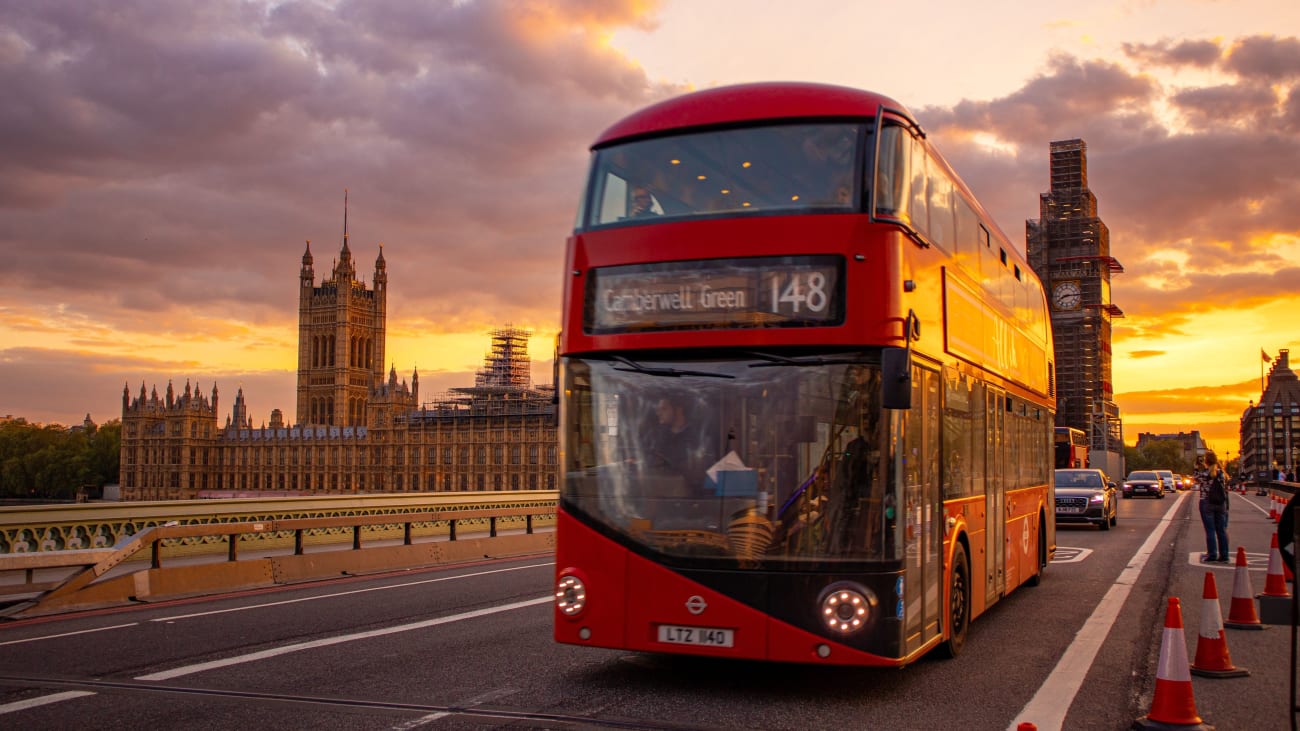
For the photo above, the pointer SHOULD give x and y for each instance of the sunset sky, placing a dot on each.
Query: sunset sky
(163, 162)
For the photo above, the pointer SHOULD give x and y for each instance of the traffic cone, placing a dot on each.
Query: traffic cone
(1172, 705)
(1272, 507)
(1241, 612)
(1275, 582)
(1212, 660)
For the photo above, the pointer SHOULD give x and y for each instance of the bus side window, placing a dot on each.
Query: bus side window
(892, 176)
(941, 212)
(917, 208)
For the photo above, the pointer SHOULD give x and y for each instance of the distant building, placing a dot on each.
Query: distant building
(1192, 445)
(1068, 247)
(1270, 430)
(356, 431)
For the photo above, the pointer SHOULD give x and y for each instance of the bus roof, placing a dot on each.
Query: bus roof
(750, 102)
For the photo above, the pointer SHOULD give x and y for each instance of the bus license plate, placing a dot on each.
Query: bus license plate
(704, 636)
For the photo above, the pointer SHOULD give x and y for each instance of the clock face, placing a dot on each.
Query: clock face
(1066, 296)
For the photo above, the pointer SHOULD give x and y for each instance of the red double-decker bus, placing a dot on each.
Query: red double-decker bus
(806, 388)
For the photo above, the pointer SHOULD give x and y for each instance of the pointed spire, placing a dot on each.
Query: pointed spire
(346, 253)
(306, 256)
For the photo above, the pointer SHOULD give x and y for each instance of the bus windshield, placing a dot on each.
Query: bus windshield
(779, 168)
(760, 461)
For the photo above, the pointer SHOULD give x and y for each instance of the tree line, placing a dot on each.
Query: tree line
(1165, 454)
(53, 462)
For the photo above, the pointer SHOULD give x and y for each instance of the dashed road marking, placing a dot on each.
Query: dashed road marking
(1254, 561)
(1070, 554)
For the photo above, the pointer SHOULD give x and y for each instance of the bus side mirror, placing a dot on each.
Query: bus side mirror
(896, 378)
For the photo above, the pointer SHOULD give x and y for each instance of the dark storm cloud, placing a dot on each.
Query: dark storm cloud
(1265, 57)
(1214, 187)
(1217, 106)
(1201, 54)
(165, 148)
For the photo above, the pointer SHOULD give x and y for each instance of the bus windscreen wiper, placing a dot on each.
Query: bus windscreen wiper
(774, 360)
(635, 367)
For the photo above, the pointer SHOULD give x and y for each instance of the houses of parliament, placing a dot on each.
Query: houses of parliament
(355, 430)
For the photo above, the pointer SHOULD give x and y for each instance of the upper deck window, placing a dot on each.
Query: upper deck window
(781, 168)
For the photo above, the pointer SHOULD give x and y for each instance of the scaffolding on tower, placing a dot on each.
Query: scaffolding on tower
(507, 364)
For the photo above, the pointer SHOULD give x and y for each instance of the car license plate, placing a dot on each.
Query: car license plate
(675, 634)
(1069, 509)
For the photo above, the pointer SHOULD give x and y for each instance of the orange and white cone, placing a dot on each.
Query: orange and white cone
(1172, 705)
(1275, 582)
(1272, 507)
(1212, 660)
(1241, 612)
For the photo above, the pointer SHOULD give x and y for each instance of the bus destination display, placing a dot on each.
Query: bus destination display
(757, 292)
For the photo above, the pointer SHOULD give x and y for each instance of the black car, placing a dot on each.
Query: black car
(1085, 496)
(1144, 482)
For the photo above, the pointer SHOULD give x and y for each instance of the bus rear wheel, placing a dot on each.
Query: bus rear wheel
(1037, 578)
(958, 604)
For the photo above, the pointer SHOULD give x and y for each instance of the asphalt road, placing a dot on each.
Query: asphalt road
(469, 647)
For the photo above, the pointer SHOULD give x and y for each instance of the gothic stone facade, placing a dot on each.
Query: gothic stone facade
(357, 432)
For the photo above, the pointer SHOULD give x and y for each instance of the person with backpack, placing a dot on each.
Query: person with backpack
(1214, 511)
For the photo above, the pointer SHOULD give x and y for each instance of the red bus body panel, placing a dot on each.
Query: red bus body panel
(887, 274)
(629, 596)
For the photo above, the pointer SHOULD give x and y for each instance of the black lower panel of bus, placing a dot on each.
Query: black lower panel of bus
(797, 599)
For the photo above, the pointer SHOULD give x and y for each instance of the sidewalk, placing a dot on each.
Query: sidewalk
(1262, 700)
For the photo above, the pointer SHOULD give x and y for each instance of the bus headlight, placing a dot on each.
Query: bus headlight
(570, 596)
(846, 608)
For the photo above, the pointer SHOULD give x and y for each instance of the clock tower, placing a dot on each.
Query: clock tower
(1069, 248)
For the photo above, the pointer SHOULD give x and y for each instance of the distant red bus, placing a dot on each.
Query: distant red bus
(805, 382)
(1071, 448)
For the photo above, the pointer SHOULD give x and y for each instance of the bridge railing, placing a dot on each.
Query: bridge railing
(101, 525)
(383, 535)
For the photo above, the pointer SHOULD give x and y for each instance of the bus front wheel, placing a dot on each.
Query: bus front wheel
(958, 604)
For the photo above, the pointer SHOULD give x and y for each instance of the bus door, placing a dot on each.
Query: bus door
(995, 554)
(917, 471)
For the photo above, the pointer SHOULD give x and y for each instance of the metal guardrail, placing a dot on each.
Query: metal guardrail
(102, 525)
(362, 531)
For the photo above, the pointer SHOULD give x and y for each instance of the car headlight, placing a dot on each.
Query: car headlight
(1098, 498)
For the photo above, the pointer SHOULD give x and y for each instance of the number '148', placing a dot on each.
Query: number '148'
(800, 291)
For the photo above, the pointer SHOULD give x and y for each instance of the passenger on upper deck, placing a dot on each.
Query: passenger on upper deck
(642, 203)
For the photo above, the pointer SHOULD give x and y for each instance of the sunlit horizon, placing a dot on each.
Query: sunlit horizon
(154, 235)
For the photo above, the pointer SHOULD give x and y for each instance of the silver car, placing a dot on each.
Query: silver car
(1167, 480)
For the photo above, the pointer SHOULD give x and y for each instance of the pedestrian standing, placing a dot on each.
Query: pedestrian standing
(1214, 511)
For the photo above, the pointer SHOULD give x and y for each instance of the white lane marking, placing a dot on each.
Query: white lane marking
(43, 701)
(346, 593)
(421, 721)
(1070, 554)
(68, 634)
(475, 701)
(1047, 709)
(1254, 562)
(326, 642)
(1251, 503)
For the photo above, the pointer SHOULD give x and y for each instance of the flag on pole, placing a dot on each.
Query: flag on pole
(1264, 355)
